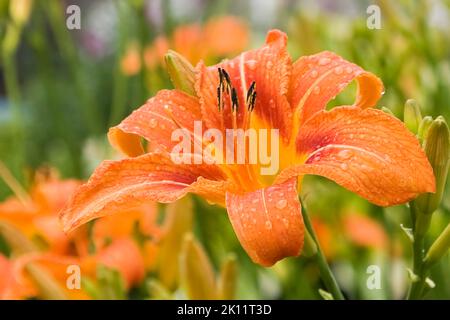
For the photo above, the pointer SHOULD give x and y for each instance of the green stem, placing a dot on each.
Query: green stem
(418, 269)
(421, 223)
(325, 271)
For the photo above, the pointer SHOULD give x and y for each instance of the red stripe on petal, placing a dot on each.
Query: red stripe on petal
(268, 222)
(366, 151)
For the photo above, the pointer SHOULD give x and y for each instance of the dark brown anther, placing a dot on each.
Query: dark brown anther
(219, 97)
(234, 100)
(227, 79)
(251, 102)
(220, 75)
(250, 91)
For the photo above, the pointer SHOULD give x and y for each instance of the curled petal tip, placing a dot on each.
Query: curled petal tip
(276, 35)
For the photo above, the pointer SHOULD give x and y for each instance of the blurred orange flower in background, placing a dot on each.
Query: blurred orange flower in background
(31, 227)
(219, 37)
(364, 231)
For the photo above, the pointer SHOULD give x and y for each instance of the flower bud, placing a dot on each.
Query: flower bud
(20, 10)
(181, 72)
(437, 149)
(228, 279)
(412, 116)
(423, 127)
(439, 248)
(196, 272)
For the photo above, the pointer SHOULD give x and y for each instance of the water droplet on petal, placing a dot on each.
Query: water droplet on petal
(348, 69)
(281, 204)
(324, 61)
(268, 225)
(286, 222)
(345, 154)
(338, 70)
(314, 73)
(153, 123)
(316, 90)
(272, 103)
(344, 166)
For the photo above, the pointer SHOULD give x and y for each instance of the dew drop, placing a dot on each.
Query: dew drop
(344, 154)
(348, 69)
(281, 204)
(316, 90)
(153, 123)
(268, 225)
(324, 61)
(344, 166)
(286, 222)
(314, 73)
(272, 103)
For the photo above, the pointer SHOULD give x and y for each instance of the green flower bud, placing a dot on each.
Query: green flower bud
(424, 126)
(412, 116)
(181, 72)
(439, 248)
(437, 149)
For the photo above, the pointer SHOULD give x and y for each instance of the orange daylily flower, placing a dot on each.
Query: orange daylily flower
(130, 64)
(40, 216)
(364, 231)
(10, 288)
(363, 149)
(219, 37)
(37, 221)
(325, 237)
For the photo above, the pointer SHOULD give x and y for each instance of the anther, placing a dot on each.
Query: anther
(234, 100)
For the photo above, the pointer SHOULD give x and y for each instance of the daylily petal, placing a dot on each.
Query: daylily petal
(268, 222)
(121, 185)
(318, 78)
(155, 121)
(366, 151)
(269, 67)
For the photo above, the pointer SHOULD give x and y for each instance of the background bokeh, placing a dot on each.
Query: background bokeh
(60, 91)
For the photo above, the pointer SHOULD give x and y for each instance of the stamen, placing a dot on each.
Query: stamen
(234, 100)
(227, 79)
(250, 91)
(219, 97)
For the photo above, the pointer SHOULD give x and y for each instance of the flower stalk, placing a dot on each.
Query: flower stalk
(325, 271)
(437, 148)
